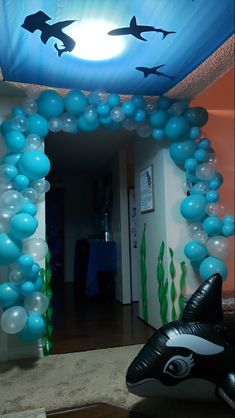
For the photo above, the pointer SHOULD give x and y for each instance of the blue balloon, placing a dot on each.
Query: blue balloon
(128, 108)
(8, 295)
(181, 151)
(216, 181)
(25, 262)
(212, 265)
(140, 115)
(35, 324)
(212, 225)
(193, 207)
(196, 116)
(10, 249)
(85, 126)
(15, 141)
(15, 111)
(191, 165)
(21, 181)
(191, 177)
(6, 126)
(212, 196)
(158, 134)
(195, 251)
(23, 225)
(175, 128)
(30, 208)
(103, 109)
(75, 102)
(164, 103)
(26, 288)
(34, 164)
(159, 119)
(201, 155)
(38, 284)
(205, 143)
(106, 120)
(228, 230)
(138, 101)
(37, 124)
(50, 104)
(229, 219)
(35, 270)
(27, 336)
(11, 158)
(113, 100)
(9, 171)
(194, 132)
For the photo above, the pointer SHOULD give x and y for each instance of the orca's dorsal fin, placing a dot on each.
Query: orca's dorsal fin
(133, 23)
(205, 305)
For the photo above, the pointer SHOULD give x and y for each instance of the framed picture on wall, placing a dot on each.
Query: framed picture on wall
(146, 190)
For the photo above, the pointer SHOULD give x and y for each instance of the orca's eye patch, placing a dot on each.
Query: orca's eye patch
(179, 366)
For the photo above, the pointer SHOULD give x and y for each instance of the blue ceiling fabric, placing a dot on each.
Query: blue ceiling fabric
(160, 42)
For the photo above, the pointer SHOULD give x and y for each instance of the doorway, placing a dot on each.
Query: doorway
(84, 189)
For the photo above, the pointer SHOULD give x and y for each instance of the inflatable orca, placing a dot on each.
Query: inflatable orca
(191, 358)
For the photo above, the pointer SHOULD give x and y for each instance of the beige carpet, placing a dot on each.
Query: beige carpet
(71, 380)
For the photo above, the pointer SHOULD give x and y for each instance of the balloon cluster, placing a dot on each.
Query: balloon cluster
(24, 168)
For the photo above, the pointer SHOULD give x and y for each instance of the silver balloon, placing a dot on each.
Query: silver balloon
(36, 303)
(150, 107)
(37, 247)
(13, 320)
(176, 109)
(187, 186)
(12, 201)
(41, 186)
(200, 236)
(205, 171)
(5, 218)
(144, 130)
(212, 209)
(201, 187)
(90, 114)
(30, 107)
(55, 124)
(30, 194)
(129, 124)
(194, 227)
(218, 246)
(19, 123)
(212, 160)
(33, 142)
(69, 123)
(5, 185)
(97, 96)
(117, 114)
(16, 277)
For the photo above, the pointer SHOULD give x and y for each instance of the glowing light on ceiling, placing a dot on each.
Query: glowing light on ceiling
(93, 42)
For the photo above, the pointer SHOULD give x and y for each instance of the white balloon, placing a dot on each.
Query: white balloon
(30, 194)
(212, 209)
(19, 123)
(117, 114)
(16, 277)
(218, 246)
(90, 114)
(69, 123)
(194, 227)
(12, 201)
(37, 247)
(129, 124)
(5, 218)
(5, 185)
(144, 130)
(33, 142)
(36, 303)
(13, 320)
(202, 187)
(55, 124)
(200, 236)
(41, 186)
(212, 160)
(30, 106)
(205, 171)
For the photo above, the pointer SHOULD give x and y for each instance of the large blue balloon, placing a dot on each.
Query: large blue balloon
(212, 265)
(181, 151)
(193, 207)
(195, 251)
(75, 102)
(212, 225)
(50, 104)
(37, 124)
(15, 141)
(34, 164)
(10, 249)
(8, 295)
(23, 225)
(176, 128)
(159, 119)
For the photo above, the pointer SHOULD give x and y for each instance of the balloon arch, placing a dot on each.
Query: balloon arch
(24, 168)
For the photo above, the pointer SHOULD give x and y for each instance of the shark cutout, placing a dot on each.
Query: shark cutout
(37, 21)
(136, 30)
(154, 70)
(195, 349)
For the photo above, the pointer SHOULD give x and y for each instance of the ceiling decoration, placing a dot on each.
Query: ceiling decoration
(137, 47)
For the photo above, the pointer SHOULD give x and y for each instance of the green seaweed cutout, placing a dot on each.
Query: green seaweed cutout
(173, 289)
(143, 274)
(182, 287)
(162, 285)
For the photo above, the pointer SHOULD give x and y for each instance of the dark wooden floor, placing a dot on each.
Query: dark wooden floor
(96, 411)
(81, 325)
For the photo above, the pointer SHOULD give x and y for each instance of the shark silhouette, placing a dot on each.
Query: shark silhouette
(195, 349)
(136, 30)
(37, 21)
(153, 70)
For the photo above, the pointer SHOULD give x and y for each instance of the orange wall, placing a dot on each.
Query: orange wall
(219, 102)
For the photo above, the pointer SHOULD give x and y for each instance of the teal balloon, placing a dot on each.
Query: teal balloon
(25, 262)
(164, 103)
(85, 126)
(35, 324)
(216, 181)
(38, 284)
(9, 171)
(26, 288)
(201, 155)
(159, 119)
(158, 134)
(193, 207)
(26, 336)
(11, 158)
(229, 219)
(128, 108)
(50, 104)
(138, 101)
(21, 181)
(212, 265)
(191, 165)
(38, 125)
(228, 230)
(35, 270)
(212, 196)
(103, 109)
(212, 225)
(29, 208)
(114, 100)
(23, 225)
(34, 164)
(140, 115)
(195, 251)
(8, 295)
(105, 120)
(196, 116)
(15, 141)
(194, 132)
(175, 128)
(75, 102)
(10, 249)
(191, 177)
(15, 111)
(6, 126)
(181, 151)
(205, 143)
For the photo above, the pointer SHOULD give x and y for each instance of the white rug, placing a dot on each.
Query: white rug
(64, 381)
(33, 413)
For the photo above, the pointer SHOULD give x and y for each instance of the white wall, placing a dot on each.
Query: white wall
(10, 346)
(164, 223)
